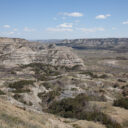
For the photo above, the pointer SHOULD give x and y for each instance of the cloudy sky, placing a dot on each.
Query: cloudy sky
(60, 19)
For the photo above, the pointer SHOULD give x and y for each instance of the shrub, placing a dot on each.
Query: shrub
(43, 71)
(76, 126)
(103, 76)
(20, 86)
(41, 77)
(92, 75)
(80, 108)
(13, 72)
(17, 96)
(46, 68)
(116, 85)
(47, 85)
(122, 102)
(121, 80)
(21, 99)
(2, 93)
(50, 96)
(125, 90)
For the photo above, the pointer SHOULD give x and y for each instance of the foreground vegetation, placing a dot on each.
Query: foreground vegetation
(80, 108)
(21, 86)
(122, 102)
(2, 93)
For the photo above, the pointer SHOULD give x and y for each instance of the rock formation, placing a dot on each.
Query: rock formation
(15, 51)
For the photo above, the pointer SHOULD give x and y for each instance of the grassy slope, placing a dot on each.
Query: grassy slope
(117, 113)
(14, 117)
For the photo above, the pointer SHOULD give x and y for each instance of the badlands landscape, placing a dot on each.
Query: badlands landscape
(79, 83)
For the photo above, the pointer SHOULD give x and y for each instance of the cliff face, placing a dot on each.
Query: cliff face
(20, 51)
(106, 43)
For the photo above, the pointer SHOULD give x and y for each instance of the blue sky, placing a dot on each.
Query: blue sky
(61, 19)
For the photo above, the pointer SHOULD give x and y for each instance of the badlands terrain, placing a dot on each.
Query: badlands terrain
(65, 84)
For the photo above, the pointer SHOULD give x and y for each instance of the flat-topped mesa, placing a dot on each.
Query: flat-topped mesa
(13, 54)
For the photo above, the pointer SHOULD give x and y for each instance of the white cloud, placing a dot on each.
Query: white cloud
(6, 26)
(65, 25)
(26, 29)
(73, 14)
(103, 16)
(91, 29)
(59, 29)
(125, 22)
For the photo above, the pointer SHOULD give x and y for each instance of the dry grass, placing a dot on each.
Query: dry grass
(86, 124)
(116, 113)
(15, 117)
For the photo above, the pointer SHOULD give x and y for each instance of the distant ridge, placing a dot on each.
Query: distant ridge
(97, 43)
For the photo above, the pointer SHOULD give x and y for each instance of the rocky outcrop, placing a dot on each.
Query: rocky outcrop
(19, 51)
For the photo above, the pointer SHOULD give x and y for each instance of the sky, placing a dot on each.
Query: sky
(63, 19)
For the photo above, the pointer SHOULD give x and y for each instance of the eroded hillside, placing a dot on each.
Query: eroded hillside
(38, 79)
(20, 51)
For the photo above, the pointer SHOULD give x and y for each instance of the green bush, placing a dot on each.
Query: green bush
(2, 93)
(46, 68)
(47, 85)
(92, 75)
(50, 96)
(125, 90)
(20, 99)
(43, 71)
(79, 108)
(41, 77)
(103, 76)
(122, 102)
(121, 80)
(76, 126)
(20, 86)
